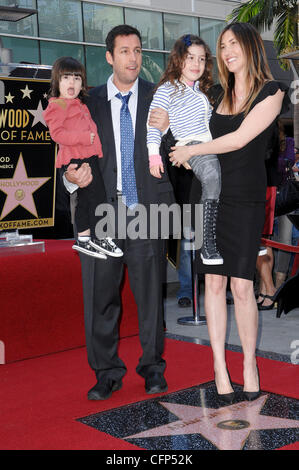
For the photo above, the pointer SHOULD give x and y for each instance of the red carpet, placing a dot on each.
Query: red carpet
(41, 398)
(42, 303)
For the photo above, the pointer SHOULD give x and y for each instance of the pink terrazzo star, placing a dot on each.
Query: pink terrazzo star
(227, 428)
(19, 190)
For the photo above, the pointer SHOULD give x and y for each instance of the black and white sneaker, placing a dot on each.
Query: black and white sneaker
(107, 246)
(86, 248)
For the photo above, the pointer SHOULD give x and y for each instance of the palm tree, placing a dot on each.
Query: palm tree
(283, 14)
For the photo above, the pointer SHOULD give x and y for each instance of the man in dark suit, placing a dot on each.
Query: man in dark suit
(144, 257)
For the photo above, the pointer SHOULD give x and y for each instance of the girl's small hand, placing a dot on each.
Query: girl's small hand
(158, 118)
(92, 136)
(179, 155)
(156, 170)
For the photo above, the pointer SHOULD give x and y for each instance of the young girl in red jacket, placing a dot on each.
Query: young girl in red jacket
(71, 127)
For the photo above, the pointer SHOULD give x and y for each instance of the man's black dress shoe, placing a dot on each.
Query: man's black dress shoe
(155, 383)
(103, 390)
(184, 302)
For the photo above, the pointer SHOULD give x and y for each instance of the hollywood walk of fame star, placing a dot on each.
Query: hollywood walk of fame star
(20, 189)
(38, 115)
(26, 92)
(227, 428)
(9, 98)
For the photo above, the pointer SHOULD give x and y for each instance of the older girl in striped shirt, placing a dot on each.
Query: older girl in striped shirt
(182, 93)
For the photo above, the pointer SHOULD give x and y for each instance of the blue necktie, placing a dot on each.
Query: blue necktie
(129, 189)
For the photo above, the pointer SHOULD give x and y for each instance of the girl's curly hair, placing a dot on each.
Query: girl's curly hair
(177, 59)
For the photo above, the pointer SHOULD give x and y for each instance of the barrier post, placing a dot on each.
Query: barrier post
(196, 319)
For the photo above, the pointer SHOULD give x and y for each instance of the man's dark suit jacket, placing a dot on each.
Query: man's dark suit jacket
(145, 259)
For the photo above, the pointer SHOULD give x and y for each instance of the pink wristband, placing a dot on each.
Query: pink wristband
(154, 160)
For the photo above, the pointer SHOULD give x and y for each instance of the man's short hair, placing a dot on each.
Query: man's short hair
(121, 30)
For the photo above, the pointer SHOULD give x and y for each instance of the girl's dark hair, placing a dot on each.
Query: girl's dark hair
(177, 59)
(64, 66)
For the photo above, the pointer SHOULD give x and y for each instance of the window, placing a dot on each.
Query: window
(27, 26)
(23, 50)
(150, 26)
(99, 19)
(152, 66)
(210, 30)
(98, 70)
(50, 51)
(60, 19)
(177, 25)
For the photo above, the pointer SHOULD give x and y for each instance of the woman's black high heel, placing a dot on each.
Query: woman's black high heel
(267, 307)
(226, 398)
(250, 396)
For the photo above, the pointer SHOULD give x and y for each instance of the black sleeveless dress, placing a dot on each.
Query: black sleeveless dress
(242, 200)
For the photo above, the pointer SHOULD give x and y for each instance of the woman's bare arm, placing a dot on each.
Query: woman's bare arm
(257, 120)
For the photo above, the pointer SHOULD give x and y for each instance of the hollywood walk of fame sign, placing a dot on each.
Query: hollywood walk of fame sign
(27, 156)
(192, 419)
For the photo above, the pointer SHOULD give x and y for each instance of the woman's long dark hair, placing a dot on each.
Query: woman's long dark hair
(258, 71)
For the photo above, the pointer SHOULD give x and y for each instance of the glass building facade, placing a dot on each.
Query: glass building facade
(78, 28)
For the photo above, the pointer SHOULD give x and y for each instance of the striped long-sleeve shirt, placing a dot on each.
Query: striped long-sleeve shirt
(189, 113)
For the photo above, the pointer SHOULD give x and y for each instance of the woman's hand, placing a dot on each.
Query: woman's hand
(187, 166)
(156, 170)
(81, 177)
(180, 155)
(158, 118)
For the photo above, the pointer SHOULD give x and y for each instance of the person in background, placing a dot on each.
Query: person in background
(284, 226)
(296, 165)
(181, 180)
(264, 265)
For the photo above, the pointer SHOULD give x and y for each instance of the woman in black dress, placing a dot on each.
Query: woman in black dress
(241, 123)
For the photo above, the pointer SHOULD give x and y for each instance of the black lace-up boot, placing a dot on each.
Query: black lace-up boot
(209, 252)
